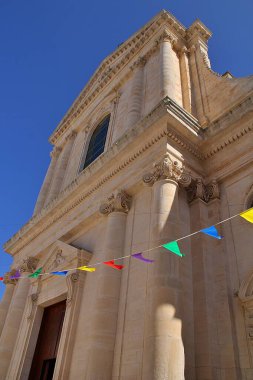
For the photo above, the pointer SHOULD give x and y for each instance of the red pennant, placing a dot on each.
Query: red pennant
(111, 264)
(1, 278)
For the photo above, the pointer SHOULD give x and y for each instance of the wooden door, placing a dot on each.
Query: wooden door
(48, 341)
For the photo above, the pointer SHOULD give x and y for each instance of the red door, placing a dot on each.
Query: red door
(48, 341)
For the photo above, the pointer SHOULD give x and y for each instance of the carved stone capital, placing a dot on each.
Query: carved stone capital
(71, 135)
(166, 36)
(141, 62)
(71, 279)
(7, 278)
(198, 190)
(121, 202)
(29, 265)
(167, 169)
(55, 152)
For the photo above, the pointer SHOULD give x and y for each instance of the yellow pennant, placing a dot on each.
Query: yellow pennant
(88, 269)
(248, 215)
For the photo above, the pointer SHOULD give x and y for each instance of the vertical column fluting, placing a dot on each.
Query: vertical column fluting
(14, 316)
(47, 181)
(61, 166)
(185, 79)
(6, 300)
(163, 349)
(170, 82)
(102, 334)
(135, 106)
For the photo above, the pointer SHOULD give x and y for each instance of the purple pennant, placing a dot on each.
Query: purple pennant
(140, 257)
(16, 275)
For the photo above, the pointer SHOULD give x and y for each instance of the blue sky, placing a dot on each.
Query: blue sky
(49, 49)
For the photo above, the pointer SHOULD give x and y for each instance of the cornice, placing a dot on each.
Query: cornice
(76, 192)
(111, 65)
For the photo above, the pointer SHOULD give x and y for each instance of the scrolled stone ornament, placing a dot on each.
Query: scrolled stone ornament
(120, 202)
(29, 264)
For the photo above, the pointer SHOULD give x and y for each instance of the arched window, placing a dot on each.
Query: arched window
(97, 142)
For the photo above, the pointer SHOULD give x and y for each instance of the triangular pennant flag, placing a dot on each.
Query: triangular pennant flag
(173, 247)
(60, 273)
(139, 256)
(16, 275)
(88, 269)
(111, 264)
(36, 273)
(211, 231)
(1, 278)
(248, 215)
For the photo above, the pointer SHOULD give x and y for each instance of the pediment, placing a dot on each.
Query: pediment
(61, 256)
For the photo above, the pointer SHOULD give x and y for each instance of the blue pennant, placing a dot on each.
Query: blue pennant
(212, 231)
(62, 273)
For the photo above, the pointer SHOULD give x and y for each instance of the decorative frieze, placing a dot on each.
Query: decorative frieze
(120, 202)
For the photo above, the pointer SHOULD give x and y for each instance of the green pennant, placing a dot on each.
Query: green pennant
(36, 273)
(173, 247)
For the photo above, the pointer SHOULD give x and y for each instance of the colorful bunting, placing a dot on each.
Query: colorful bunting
(173, 247)
(248, 215)
(60, 273)
(88, 269)
(211, 231)
(16, 275)
(139, 256)
(1, 278)
(36, 273)
(111, 264)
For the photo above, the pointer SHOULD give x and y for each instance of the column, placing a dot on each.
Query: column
(6, 300)
(14, 316)
(135, 105)
(163, 346)
(47, 181)
(170, 83)
(61, 167)
(185, 79)
(104, 322)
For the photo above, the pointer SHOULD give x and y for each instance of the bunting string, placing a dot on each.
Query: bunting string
(171, 246)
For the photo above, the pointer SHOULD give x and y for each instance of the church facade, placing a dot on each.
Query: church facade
(156, 147)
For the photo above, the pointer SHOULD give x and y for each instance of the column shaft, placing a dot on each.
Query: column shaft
(12, 323)
(163, 350)
(47, 181)
(5, 303)
(134, 110)
(170, 82)
(104, 322)
(61, 168)
(185, 81)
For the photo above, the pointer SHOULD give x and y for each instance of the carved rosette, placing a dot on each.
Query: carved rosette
(119, 202)
(29, 265)
(167, 169)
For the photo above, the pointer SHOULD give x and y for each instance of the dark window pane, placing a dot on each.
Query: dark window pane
(97, 142)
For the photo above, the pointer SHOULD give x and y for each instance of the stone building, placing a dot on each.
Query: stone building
(155, 147)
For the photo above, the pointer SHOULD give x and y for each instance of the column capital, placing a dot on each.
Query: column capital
(198, 190)
(141, 62)
(29, 264)
(71, 135)
(55, 152)
(166, 36)
(167, 169)
(120, 202)
(7, 277)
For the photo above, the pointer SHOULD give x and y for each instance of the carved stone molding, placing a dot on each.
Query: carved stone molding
(198, 190)
(71, 135)
(33, 302)
(7, 278)
(29, 264)
(71, 280)
(55, 152)
(167, 169)
(121, 202)
(141, 62)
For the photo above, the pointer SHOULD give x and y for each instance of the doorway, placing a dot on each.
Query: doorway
(45, 354)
